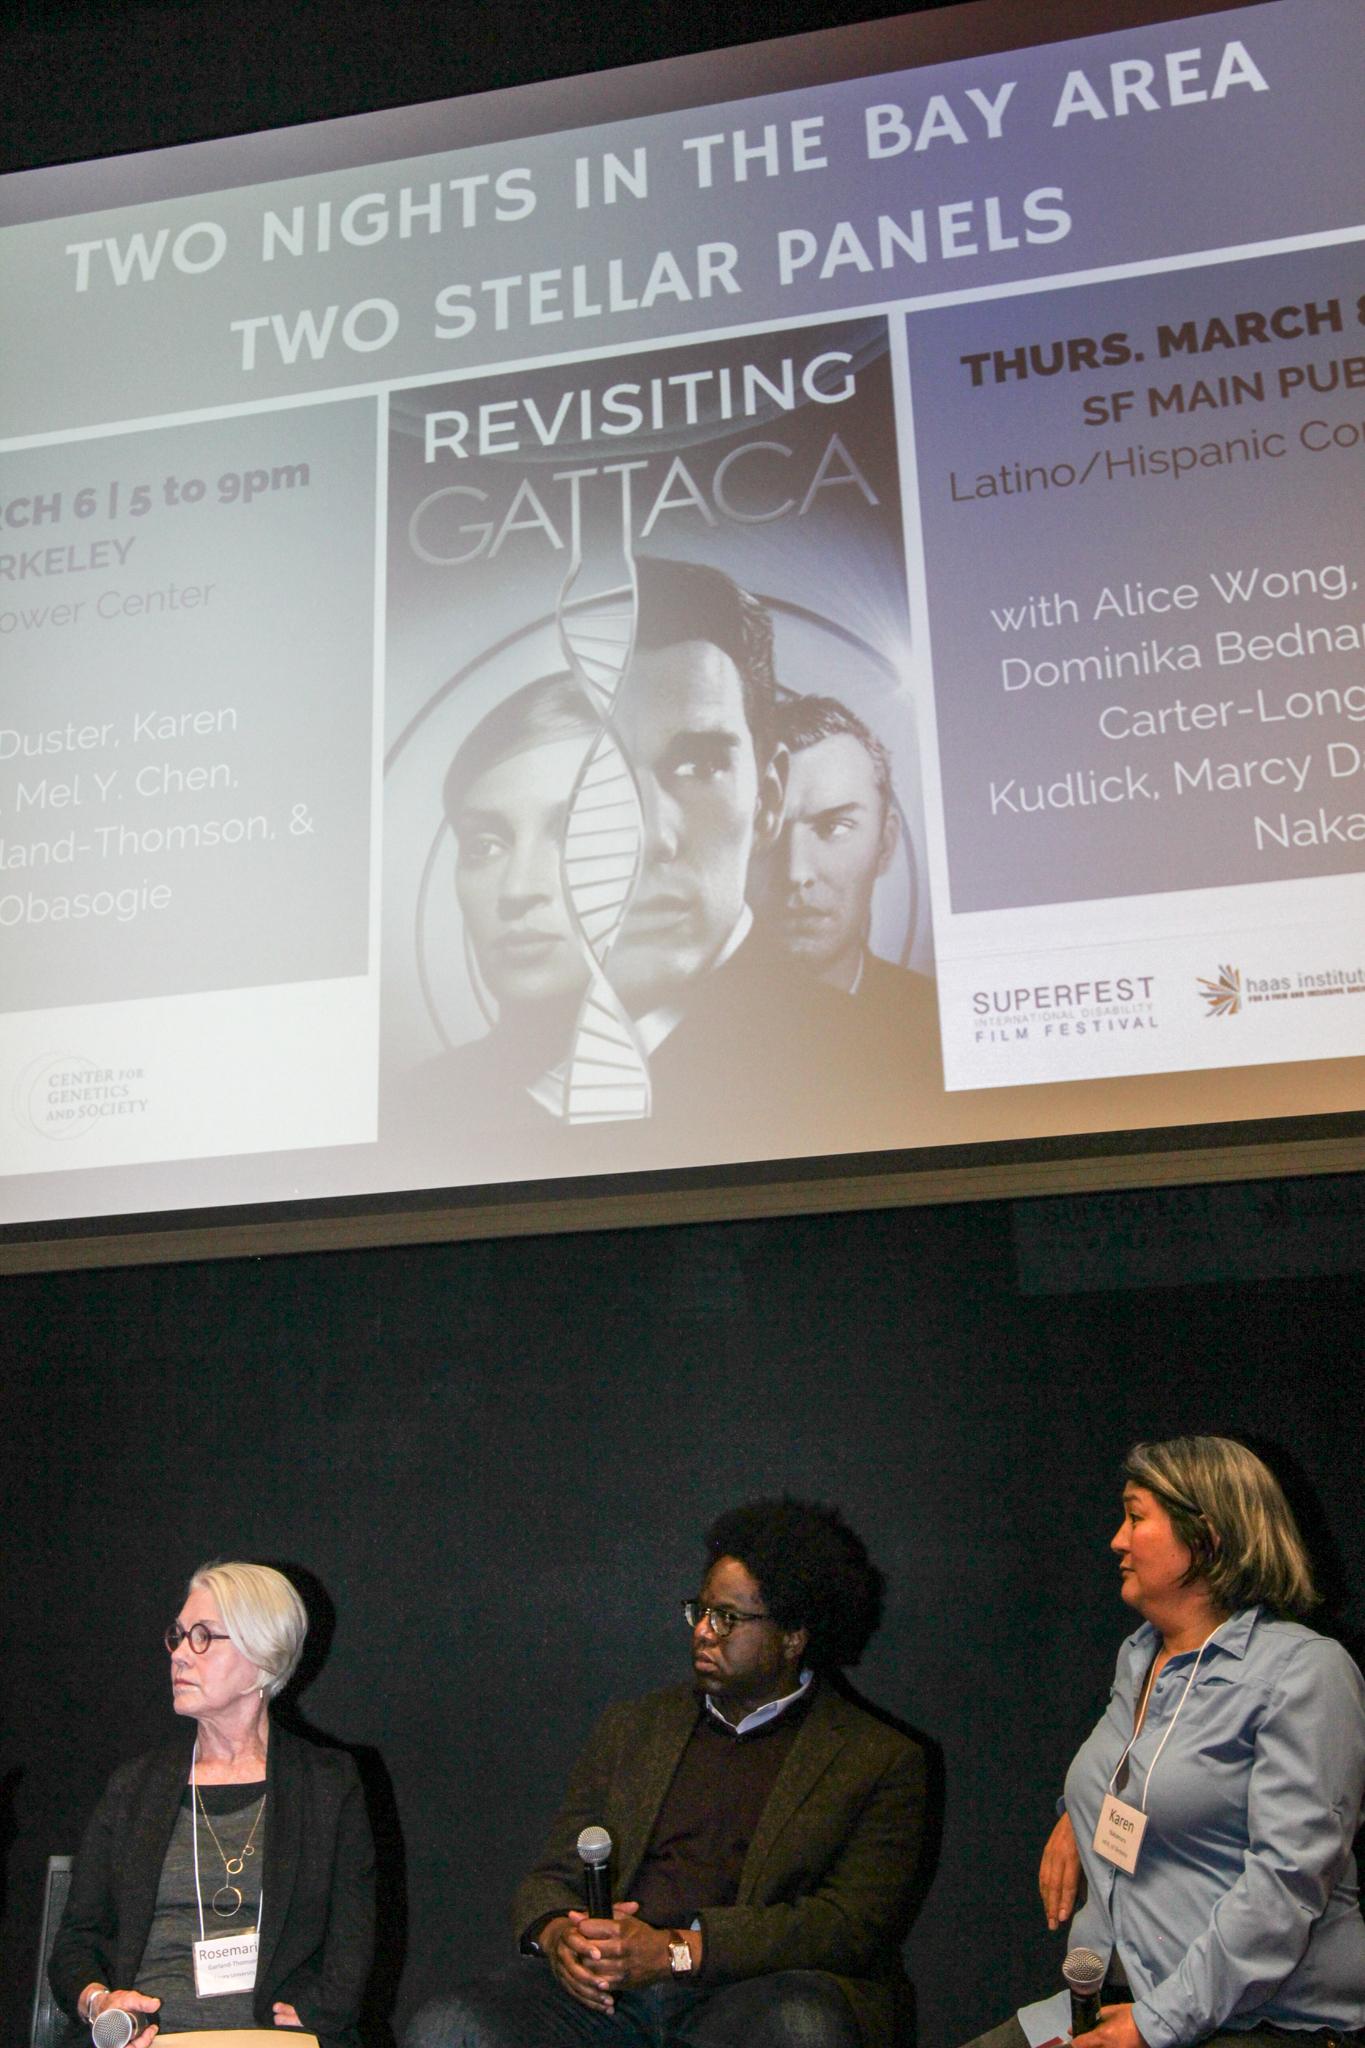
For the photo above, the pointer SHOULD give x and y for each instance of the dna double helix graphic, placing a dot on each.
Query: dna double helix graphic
(607, 1078)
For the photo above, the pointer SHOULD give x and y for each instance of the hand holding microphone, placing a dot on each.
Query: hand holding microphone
(575, 1959)
(626, 1954)
(122, 2016)
(114, 2028)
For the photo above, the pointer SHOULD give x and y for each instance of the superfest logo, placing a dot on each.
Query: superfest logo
(1083, 1008)
(63, 1095)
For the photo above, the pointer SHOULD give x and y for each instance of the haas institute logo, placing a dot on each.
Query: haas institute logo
(1223, 996)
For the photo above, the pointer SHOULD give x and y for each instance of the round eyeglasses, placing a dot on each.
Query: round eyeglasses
(198, 1636)
(720, 1620)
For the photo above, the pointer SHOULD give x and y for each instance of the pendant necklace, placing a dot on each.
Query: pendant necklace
(232, 1865)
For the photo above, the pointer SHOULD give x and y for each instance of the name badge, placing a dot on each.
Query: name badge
(223, 1963)
(1119, 1832)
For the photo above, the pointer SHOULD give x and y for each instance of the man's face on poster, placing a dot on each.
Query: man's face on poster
(837, 837)
(682, 721)
(509, 831)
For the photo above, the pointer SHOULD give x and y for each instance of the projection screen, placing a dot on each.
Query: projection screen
(768, 631)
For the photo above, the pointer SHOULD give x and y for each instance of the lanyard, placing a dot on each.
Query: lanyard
(1142, 1716)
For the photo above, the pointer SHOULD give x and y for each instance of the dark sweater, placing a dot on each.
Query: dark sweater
(708, 1817)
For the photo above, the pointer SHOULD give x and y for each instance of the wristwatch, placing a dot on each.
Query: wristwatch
(679, 1954)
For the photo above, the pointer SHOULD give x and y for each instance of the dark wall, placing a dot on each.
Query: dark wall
(496, 1461)
(85, 78)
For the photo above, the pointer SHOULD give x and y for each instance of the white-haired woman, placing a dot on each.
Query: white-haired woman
(226, 1881)
(1212, 1810)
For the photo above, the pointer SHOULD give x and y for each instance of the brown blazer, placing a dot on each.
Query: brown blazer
(827, 1879)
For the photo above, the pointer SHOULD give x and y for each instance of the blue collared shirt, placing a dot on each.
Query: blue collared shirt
(761, 1715)
(1243, 1908)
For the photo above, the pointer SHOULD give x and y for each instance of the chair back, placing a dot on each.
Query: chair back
(50, 2027)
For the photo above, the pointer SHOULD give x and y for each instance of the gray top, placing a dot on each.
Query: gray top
(167, 1967)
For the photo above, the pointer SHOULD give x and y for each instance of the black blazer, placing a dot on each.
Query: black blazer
(317, 1932)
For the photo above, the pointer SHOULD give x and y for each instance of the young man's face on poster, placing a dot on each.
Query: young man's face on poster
(683, 722)
(838, 836)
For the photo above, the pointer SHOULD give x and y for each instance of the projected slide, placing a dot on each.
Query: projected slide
(820, 623)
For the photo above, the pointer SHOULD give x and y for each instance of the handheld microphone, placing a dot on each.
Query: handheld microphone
(115, 2028)
(1084, 1974)
(594, 1846)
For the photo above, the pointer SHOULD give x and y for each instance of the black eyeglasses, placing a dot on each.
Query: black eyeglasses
(199, 1636)
(720, 1620)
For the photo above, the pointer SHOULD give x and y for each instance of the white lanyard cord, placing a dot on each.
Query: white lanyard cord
(194, 1834)
(1137, 1729)
(194, 1837)
(1147, 1781)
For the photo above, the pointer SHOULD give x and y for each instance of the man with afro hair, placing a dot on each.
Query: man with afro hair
(765, 1831)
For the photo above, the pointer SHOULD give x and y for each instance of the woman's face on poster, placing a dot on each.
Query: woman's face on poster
(509, 879)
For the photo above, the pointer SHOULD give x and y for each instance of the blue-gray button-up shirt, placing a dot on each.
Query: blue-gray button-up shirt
(1244, 1907)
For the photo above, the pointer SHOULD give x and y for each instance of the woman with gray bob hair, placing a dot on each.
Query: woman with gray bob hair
(263, 1615)
(1207, 1825)
(225, 1885)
